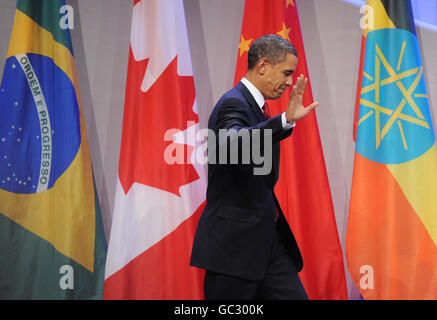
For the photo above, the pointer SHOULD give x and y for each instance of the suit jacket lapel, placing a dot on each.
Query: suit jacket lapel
(272, 177)
(251, 100)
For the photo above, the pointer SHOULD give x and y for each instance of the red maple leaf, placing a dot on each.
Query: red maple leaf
(168, 104)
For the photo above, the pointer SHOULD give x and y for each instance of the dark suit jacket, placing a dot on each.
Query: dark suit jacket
(235, 231)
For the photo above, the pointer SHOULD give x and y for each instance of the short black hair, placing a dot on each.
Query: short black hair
(272, 47)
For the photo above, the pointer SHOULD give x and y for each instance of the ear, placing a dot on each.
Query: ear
(262, 66)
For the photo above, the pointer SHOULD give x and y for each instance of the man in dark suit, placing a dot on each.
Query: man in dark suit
(242, 238)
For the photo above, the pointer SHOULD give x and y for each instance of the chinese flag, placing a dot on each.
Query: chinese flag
(160, 188)
(303, 188)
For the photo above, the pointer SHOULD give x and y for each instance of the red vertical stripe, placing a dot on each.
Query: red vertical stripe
(359, 85)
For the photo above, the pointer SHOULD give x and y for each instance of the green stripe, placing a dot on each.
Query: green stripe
(100, 247)
(400, 13)
(46, 14)
(30, 268)
(29, 265)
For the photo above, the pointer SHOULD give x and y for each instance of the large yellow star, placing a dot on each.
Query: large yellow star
(244, 45)
(288, 2)
(396, 115)
(284, 33)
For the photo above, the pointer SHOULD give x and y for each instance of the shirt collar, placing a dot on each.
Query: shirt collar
(257, 95)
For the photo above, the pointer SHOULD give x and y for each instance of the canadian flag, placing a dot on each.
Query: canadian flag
(160, 191)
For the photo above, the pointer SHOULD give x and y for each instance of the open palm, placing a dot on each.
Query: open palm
(295, 110)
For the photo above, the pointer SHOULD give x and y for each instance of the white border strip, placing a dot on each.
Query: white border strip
(44, 121)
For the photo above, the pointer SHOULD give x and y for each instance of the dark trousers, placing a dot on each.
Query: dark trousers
(281, 281)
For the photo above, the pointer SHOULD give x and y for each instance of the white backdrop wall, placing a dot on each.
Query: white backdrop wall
(332, 39)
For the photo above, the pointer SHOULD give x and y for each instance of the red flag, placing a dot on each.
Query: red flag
(160, 189)
(303, 188)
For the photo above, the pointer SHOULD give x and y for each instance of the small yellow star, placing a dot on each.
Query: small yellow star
(244, 45)
(288, 2)
(284, 33)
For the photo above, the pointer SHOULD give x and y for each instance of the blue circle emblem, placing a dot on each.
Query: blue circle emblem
(394, 123)
(40, 128)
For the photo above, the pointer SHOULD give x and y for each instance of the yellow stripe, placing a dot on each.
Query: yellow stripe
(393, 118)
(420, 95)
(367, 76)
(402, 116)
(381, 19)
(28, 37)
(401, 55)
(65, 214)
(401, 129)
(365, 117)
(377, 79)
(391, 79)
(377, 129)
(418, 181)
(61, 215)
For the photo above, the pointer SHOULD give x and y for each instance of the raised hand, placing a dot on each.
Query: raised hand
(295, 110)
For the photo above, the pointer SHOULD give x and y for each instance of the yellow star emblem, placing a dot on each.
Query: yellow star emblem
(288, 2)
(395, 116)
(244, 45)
(285, 32)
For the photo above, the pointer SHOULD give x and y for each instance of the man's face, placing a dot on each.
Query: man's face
(278, 77)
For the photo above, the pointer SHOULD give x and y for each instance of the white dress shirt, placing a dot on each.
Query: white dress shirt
(259, 98)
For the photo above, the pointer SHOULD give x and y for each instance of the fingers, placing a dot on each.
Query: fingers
(304, 85)
(296, 96)
(299, 87)
(295, 92)
(299, 84)
(312, 106)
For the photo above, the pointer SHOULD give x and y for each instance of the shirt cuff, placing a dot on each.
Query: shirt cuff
(285, 124)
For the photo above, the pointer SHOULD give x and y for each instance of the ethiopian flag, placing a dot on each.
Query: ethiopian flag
(392, 228)
(52, 244)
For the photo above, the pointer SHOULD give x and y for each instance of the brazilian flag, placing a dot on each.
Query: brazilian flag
(391, 241)
(52, 244)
